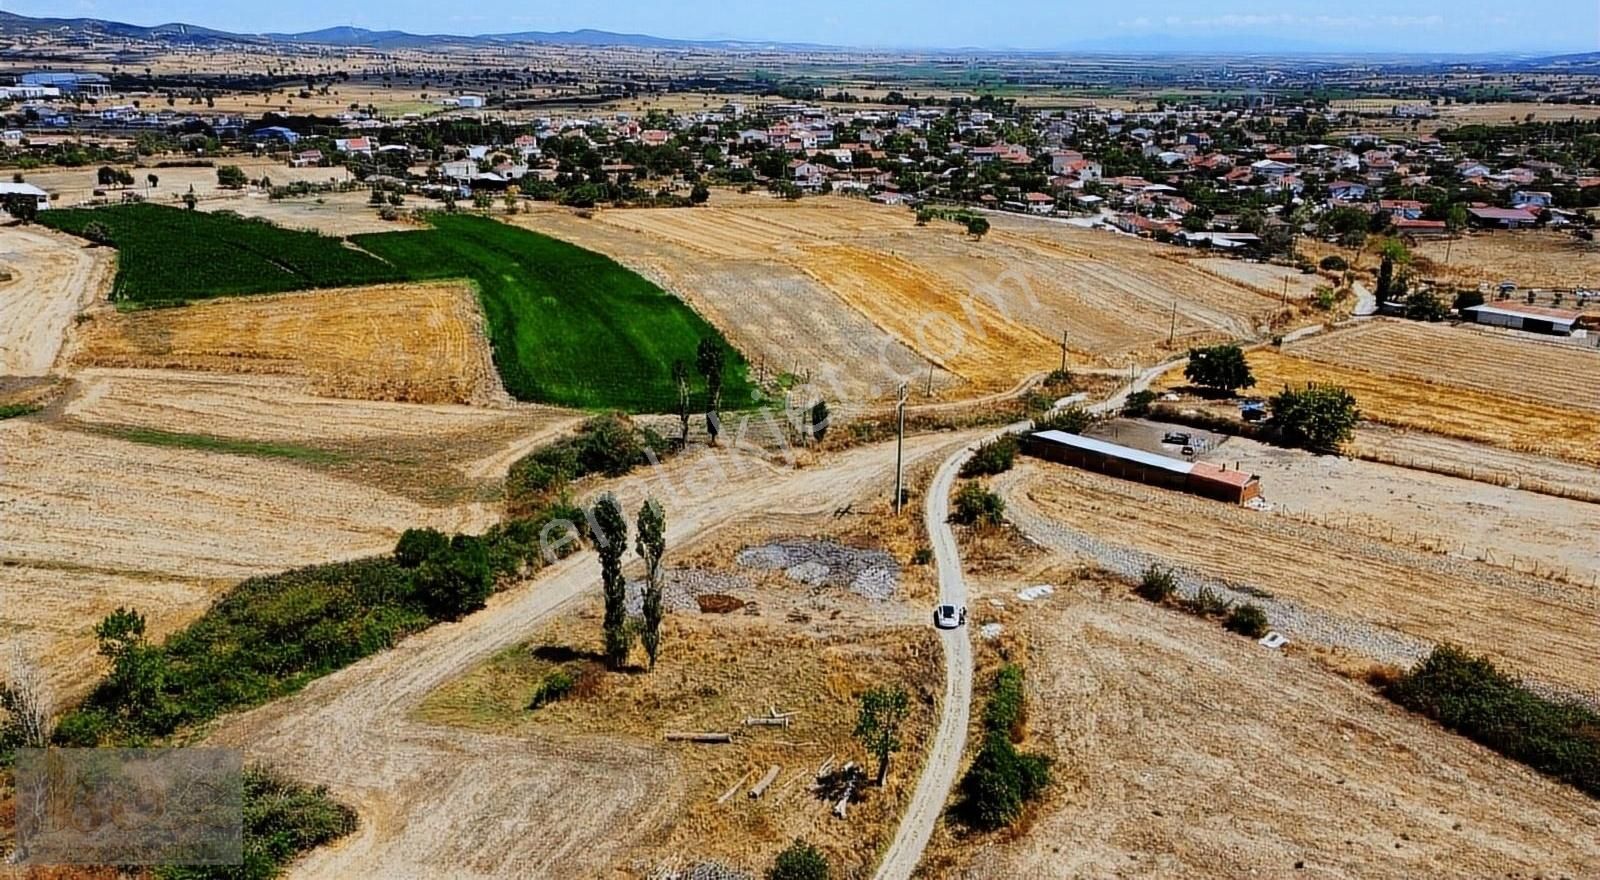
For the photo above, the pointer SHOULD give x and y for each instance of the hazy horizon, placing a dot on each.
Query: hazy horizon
(1429, 27)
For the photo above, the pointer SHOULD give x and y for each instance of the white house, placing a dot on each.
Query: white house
(40, 197)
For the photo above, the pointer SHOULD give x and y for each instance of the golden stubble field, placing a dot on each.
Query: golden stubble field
(856, 291)
(1183, 750)
(422, 343)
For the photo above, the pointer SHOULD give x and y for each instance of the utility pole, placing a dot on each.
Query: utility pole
(899, 448)
(1172, 331)
(1063, 351)
(1286, 290)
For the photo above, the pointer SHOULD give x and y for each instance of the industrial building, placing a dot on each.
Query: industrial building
(1534, 319)
(1198, 478)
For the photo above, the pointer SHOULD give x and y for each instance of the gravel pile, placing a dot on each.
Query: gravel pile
(872, 574)
(701, 871)
(1294, 621)
(681, 587)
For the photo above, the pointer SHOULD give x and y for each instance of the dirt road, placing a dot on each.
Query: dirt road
(437, 801)
(53, 278)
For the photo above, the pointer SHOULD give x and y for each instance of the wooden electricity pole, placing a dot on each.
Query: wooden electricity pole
(1063, 351)
(899, 447)
(1172, 331)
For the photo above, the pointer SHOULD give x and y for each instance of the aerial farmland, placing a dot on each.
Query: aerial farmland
(590, 455)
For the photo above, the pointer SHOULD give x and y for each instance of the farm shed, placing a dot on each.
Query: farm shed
(1534, 319)
(1198, 478)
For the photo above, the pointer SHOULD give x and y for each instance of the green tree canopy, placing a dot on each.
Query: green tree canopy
(1220, 367)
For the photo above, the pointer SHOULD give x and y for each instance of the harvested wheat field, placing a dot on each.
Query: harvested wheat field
(1540, 628)
(1426, 511)
(1527, 257)
(422, 343)
(1420, 450)
(332, 213)
(52, 278)
(985, 312)
(1183, 750)
(1544, 372)
(1498, 420)
(93, 521)
(715, 671)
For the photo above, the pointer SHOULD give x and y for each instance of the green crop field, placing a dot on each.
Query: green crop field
(568, 326)
(169, 255)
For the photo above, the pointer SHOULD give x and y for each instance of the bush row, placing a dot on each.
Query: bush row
(1468, 695)
(1002, 779)
(607, 445)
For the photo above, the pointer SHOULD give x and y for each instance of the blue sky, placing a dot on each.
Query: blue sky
(1374, 25)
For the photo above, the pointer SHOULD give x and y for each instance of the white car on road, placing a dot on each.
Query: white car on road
(949, 617)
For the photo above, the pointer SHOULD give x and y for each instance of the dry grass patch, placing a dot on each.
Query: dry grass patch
(421, 343)
(712, 674)
(1543, 372)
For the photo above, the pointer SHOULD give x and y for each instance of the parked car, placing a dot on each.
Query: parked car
(949, 616)
(1177, 438)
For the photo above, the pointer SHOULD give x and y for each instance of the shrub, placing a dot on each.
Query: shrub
(455, 582)
(1334, 263)
(977, 506)
(799, 861)
(994, 457)
(922, 556)
(555, 686)
(1138, 403)
(282, 819)
(1248, 620)
(1001, 779)
(417, 545)
(1158, 584)
(1059, 380)
(1072, 420)
(1208, 603)
(1469, 695)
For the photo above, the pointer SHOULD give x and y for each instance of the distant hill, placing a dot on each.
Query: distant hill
(21, 25)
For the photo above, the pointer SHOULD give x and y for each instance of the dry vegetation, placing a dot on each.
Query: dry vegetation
(714, 672)
(1530, 258)
(859, 292)
(1536, 626)
(51, 277)
(1541, 371)
(1255, 763)
(422, 343)
(1495, 419)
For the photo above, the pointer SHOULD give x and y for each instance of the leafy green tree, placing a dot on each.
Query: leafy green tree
(710, 360)
(1317, 417)
(699, 194)
(190, 199)
(152, 180)
(883, 711)
(799, 861)
(1467, 299)
(231, 177)
(416, 546)
(22, 207)
(1423, 305)
(1455, 219)
(106, 176)
(978, 227)
(1219, 367)
(458, 581)
(611, 539)
(135, 688)
(651, 545)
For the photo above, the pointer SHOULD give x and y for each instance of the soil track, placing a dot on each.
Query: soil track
(53, 278)
(422, 343)
(1186, 751)
(1539, 628)
(438, 801)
